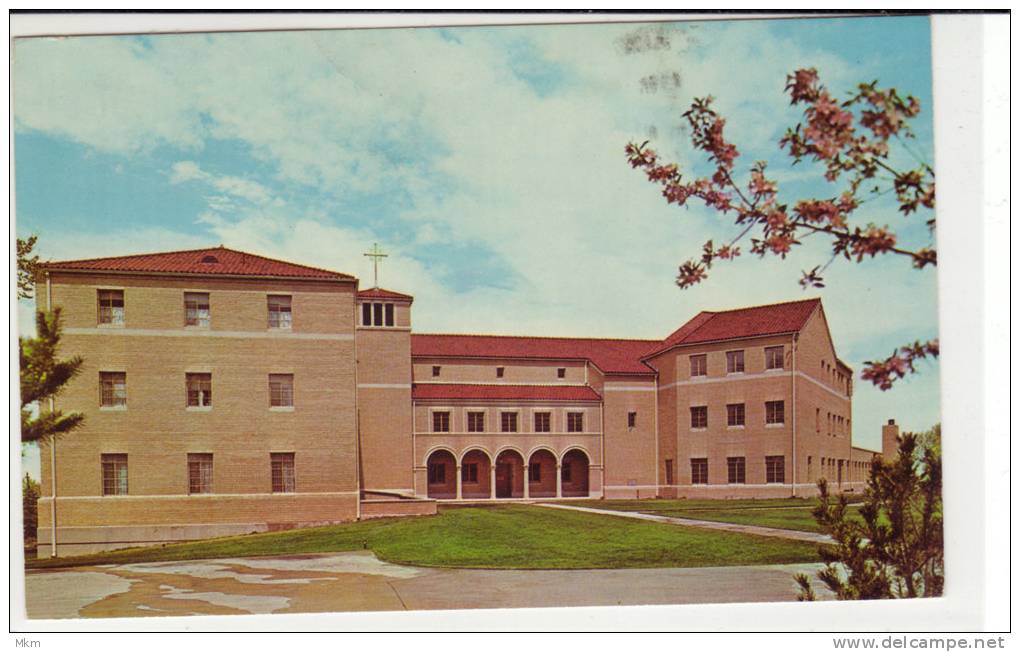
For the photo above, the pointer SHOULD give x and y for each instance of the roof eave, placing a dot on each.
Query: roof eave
(50, 267)
(727, 339)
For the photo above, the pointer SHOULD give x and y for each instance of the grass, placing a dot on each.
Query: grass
(785, 513)
(498, 536)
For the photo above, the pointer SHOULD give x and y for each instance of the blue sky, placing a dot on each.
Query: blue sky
(487, 161)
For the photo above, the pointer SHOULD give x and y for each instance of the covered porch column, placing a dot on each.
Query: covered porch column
(492, 482)
(460, 488)
(559, 481)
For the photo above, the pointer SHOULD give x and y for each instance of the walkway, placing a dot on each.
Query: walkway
(357, 581)
(796, 535)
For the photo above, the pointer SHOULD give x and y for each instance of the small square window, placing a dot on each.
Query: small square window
(631, 419)
(735, 414)
(281, 390)
(699, 365)
(115, 474)
(199, 390)
(279, 311)
(699, 416)
(112, 389)
(282, 467)
(435, 371)
(543, 421)
(111, 307)
(499, 372)
(508, 421)
(440, 422)
(575, 422)
(561, 372)
(196, 309)
(734, 362)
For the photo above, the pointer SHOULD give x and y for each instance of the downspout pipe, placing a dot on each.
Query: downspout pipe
(53, 450)
(793, 387)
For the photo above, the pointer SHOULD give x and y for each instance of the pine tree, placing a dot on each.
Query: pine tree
(897, 552)
(27, 266)
(42, 377)
(30, 491)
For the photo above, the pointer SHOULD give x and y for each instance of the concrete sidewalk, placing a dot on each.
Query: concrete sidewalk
(357, 581)
(795, 535)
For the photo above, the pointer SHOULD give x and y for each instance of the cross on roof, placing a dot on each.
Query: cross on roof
(375, 254)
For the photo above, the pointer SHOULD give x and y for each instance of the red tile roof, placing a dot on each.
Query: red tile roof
(439, 391)
(609, 355)
(756, 321)
(216, 261)
(379, 293)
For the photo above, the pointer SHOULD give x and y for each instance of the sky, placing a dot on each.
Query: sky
(487, 162)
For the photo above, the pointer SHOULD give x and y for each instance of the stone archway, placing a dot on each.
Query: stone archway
(542, 474)
(442, 475)
(574, 473)
(474, 474)
(509, 475)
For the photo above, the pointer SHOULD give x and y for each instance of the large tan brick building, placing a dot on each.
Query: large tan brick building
(226, 393)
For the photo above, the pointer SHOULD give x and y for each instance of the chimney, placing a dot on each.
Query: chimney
(890, 440)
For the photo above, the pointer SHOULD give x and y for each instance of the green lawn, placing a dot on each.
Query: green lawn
(786, 513)
(503, 536)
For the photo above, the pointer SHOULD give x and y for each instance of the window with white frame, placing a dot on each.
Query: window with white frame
(115, 474)
(282, 468)
(775, 412)
(734, 362)
(377, 314)
(111, 307)
(508, 421)
(775, 471)
(200, 473)
(773, 357)
(196, 309)
(476, 421)
(699, 365)
(575, 422)
(543, 421)
(699, 470)
(112, 389)
(281, 390)
(735, 470)
(441, 421)
(699, 416)
(199, 389)
(279, 306)
(735, 414)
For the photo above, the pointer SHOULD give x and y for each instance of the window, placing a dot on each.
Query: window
(508, 421)
(775, 412)
(200, 471)
(735, 414)
(734, 362)
(282, 465)
(440, 422)
(699, 365)
(699, 470)
(543, 421)
(196, 309)
(199, 389)
(112, 389)
(281, 390)
(499, 372)
(115, 474)
(389, 314)
(818, 419)
(565, 473)
(535, 472)
(631, 419)
(435, 371)
(699, 416)
(279, 311)
(575, 422)
(469, 472)
(735, 470)
(111, 307)
(476, 421)
(669, 471)
(773, 357)
(366, 314)
(377, 314)
(437, 473)
(775, 469)
(561, 372)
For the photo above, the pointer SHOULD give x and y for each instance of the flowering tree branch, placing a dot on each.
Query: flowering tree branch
(851, 140)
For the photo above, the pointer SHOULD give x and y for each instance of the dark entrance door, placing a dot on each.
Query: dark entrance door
(504, 480)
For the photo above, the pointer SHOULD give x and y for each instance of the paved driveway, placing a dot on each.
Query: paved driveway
(358, 581)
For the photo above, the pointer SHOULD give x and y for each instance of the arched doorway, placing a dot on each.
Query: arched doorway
(542, 474)
(574, 473)
(442, 470)
(474, 474)
(509, 475)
